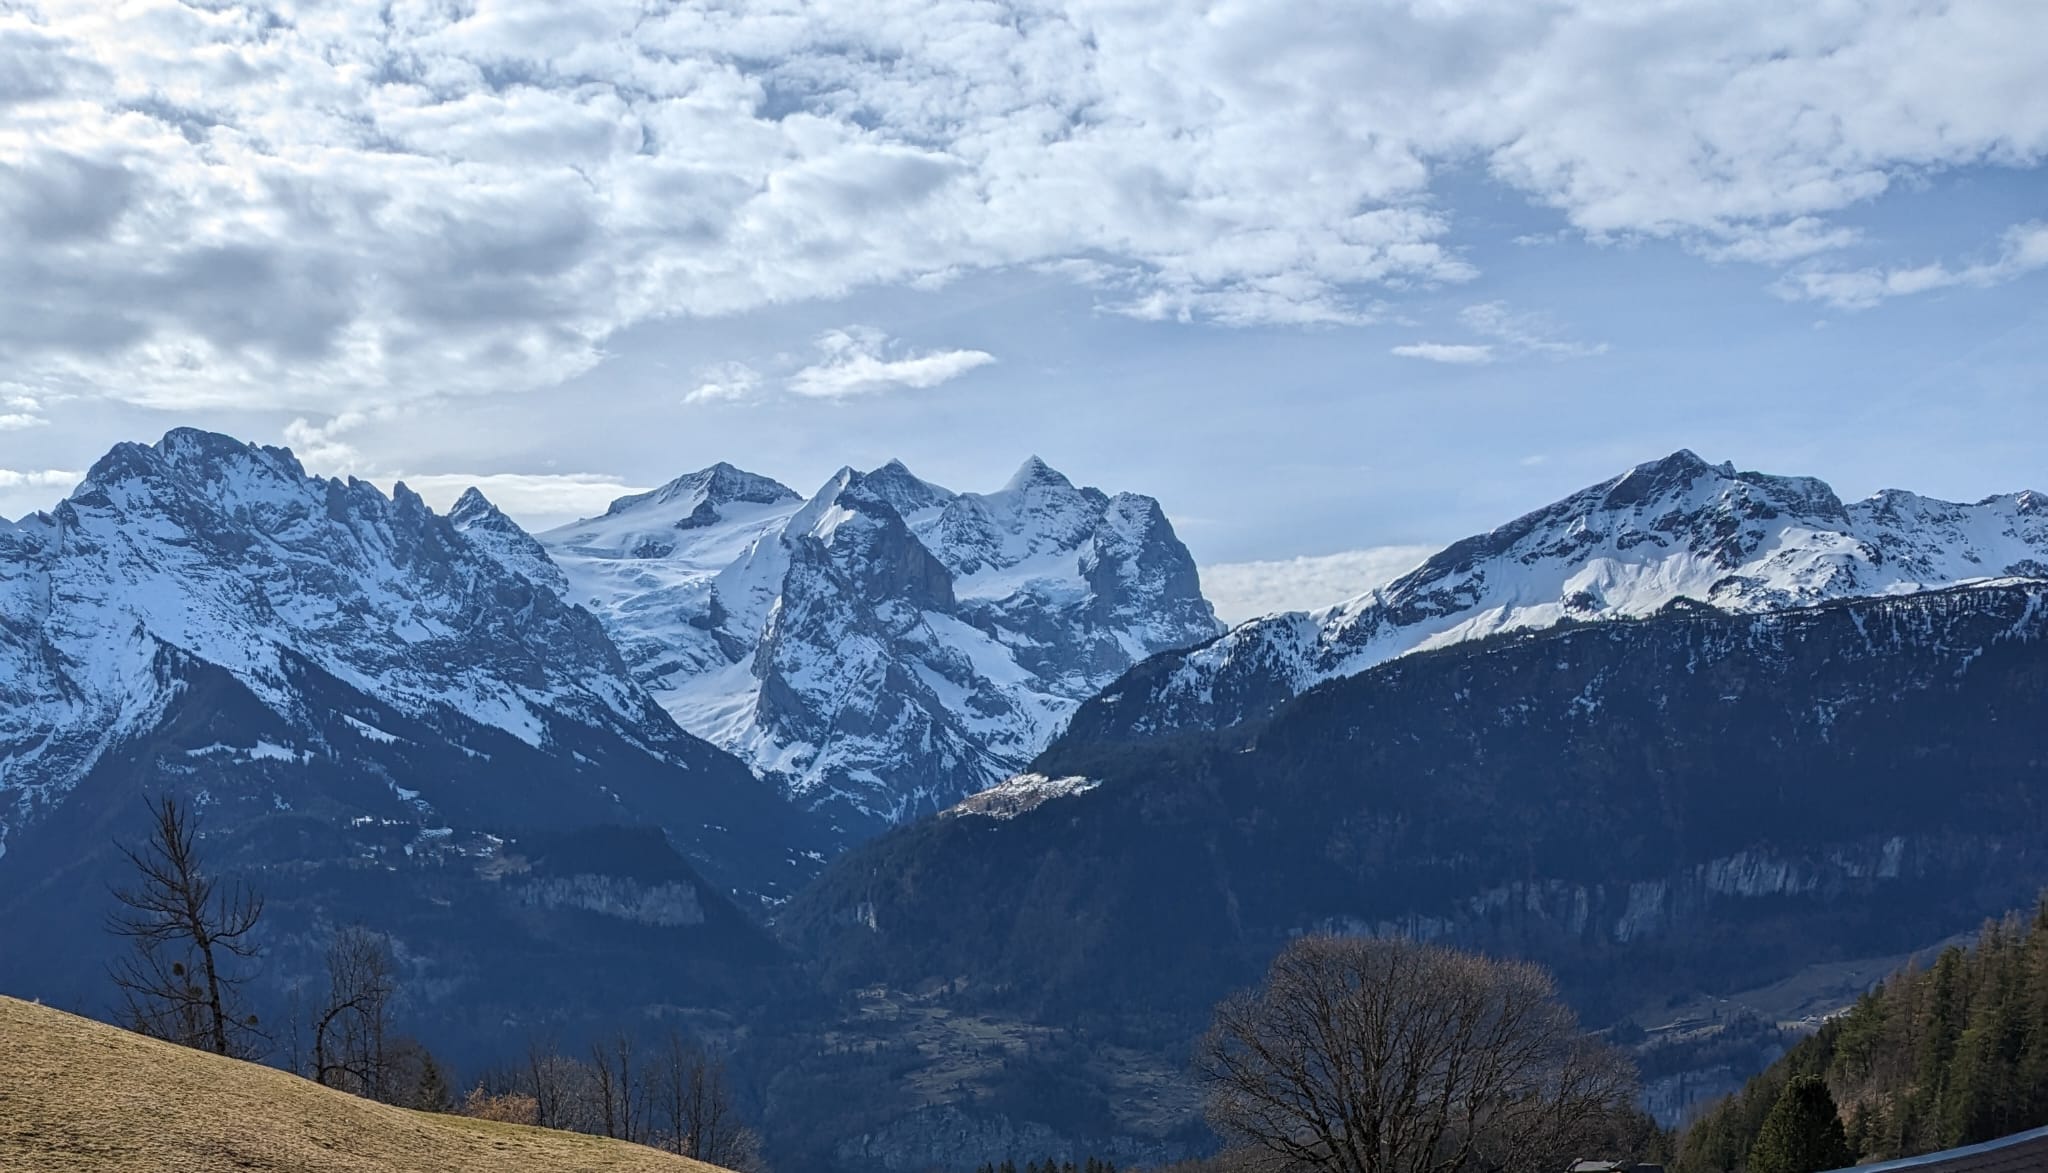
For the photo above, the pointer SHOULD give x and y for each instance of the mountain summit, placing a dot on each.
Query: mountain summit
(887, 645)
(1675, 531)
(385, 660)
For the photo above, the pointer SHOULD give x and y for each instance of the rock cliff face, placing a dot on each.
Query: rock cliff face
(1689, 802)
(1677, 529)
(886, 646)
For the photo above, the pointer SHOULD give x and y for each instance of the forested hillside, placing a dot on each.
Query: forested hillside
(1950, 1054)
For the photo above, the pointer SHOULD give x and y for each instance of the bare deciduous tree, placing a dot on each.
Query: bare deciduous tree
(350, 1031)
(701, 1121)
(546, 1081)
(183, 982)
(1389, 1056)
(618, 1093)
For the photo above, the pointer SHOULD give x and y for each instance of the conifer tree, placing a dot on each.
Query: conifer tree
(1803, 1133)
(432, 1093)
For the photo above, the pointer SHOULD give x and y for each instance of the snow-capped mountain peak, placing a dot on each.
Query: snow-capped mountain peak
(477, 519)
(720, 484)
(888, 645)
(1670, 530)
(903, 490)
(202, 554)
(1033, 473)
(230, 552)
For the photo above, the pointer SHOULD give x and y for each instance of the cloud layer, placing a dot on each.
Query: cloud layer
(311, 206)
(2023, 249)
(1245, 590)
(24, 491)
(537, 500)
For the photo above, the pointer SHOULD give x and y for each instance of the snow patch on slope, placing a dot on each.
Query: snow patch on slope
(1015, 796)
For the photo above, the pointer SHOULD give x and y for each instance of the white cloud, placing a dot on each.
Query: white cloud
(862, 361)
(535, 500)
(1514, 335)
(26, 491)
(1456, 354)
(319, 446)
(725, 382)
(1245, 590)
(39, 479)
(20, 411)
(1524, 333)
(323, 207)
(1779, 243)
(2023, 249)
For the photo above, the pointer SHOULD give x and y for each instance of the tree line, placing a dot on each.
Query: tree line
(193, 948)
(1949, 1054)
(671, 1094)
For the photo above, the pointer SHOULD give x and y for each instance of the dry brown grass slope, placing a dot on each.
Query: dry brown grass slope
(78, 1095)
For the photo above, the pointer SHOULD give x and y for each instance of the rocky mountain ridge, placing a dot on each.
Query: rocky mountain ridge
(1676, 531)
(885, 646)
(203, 553)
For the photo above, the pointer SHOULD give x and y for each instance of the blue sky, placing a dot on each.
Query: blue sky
(1323, 277)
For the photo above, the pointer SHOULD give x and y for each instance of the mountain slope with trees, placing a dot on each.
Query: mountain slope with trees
(1691, 803)
(1626, 800)
(1952, 1054)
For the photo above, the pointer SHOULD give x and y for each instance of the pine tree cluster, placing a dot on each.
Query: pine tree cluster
(1952, 1054)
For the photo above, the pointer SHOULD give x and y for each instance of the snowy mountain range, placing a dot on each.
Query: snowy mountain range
(885, 646)
(1673, 532)
(391, 656)
(878, 650)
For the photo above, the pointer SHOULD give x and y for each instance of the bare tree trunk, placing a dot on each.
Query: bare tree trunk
(348, 1035)
(542, 1065)
(703, 1123)
(607, 1092)
(176, 906)
(673, 1090)
(622, 1050)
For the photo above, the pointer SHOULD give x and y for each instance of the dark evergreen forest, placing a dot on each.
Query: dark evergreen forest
(1950, 1054)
